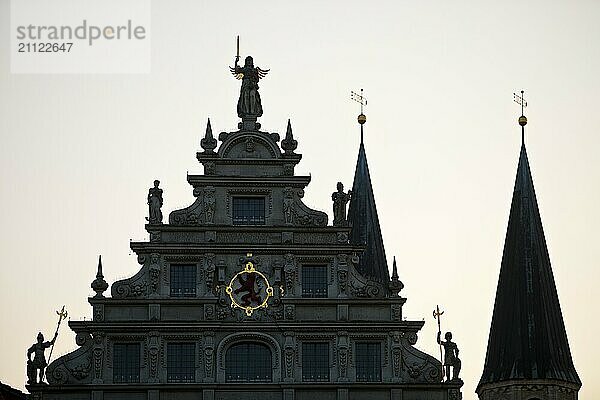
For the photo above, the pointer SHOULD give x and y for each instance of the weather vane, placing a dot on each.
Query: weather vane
(359, 98)
(520, 100)
(362, 100)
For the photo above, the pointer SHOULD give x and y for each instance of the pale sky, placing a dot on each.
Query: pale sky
(79, 151)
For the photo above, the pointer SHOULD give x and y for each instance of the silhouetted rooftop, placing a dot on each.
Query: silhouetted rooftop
(527, 336)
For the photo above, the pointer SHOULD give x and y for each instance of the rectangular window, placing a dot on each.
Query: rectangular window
(183, 280)
(314, 281)
(315, 362)
(126, 362)
(368, 362)
(180, 362)
(248, 210)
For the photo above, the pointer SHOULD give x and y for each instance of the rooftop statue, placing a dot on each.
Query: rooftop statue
(450, 356)
(39, 359)
(249, 105)
(340, 199)
(155, 202)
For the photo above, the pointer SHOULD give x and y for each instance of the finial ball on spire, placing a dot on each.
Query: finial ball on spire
(362, 118)
(522, 120)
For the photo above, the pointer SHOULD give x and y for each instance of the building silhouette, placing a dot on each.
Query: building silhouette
(249, 293)
(528, 355)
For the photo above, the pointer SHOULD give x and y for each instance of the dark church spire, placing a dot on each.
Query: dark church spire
(362, 215)
(527, 338)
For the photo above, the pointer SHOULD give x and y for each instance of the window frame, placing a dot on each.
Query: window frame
(327, 369)
(248, 365)
(125, 376)
(368, 376)
(308, 279)
(182, 290)
(248, 220)
(172, 363)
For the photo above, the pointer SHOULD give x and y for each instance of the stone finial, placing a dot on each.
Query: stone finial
(289, 144)
(396, 284)
(99, 284)
(208, 143)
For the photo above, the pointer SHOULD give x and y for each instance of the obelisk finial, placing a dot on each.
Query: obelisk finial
(362, 118)
(522, 119)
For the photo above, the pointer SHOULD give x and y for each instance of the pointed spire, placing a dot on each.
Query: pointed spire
(99, 273)
(99, 284)
(289, 144)
(362, 216)
(396, 284)
(527, 336)
(208, 143)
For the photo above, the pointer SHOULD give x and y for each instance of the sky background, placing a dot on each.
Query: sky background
(78, 152)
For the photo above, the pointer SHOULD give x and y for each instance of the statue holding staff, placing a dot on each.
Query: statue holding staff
(450, 356)
(39, 363)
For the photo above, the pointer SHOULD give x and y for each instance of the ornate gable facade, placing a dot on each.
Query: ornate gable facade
(249, 293)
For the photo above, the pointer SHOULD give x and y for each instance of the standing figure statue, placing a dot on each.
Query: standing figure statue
(340, 199)
(39, 360)
(249, 105)
(450, 356)
(155, 202)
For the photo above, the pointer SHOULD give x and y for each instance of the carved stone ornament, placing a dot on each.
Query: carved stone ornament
(289, 144)
(75, 367)
(209, 204)
(208, 351)
(289, 352)
(363, 287)
(454, 394)
(289, 211)
(208, 143)
(296, 213)
(99, 285)
(98, 355)
(343, 357)
(210, 268)
(154, 273)
(289, 271)
(153, 346)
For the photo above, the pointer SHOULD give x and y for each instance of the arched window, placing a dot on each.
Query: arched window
(248, 362)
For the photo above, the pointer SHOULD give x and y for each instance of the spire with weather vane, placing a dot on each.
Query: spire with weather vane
(362, 118)
(520, 99)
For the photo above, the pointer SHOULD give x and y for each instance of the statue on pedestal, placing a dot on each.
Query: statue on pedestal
(39, 359)
(450, 356)
(249, 105)
(340, 199)
(155, 202)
